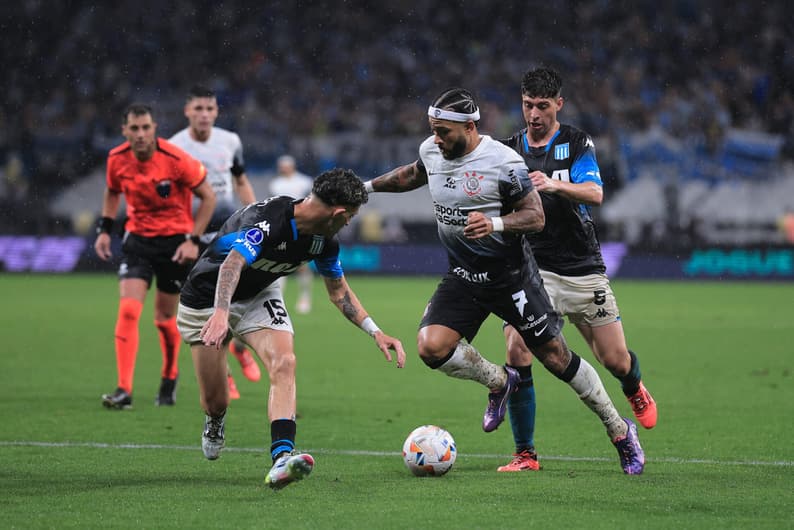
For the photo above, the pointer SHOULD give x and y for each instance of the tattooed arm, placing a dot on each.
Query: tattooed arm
(403, 178)
(343, 297)
(345, 300)
(217, 327)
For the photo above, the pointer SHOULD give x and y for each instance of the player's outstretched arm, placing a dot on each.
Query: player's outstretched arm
(347, 302)
(403, 178)
(217, 326)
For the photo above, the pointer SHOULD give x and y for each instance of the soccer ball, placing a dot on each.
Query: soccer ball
(429, 450)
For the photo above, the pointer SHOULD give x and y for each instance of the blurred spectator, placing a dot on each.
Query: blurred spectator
(292, 183)
(787, 225)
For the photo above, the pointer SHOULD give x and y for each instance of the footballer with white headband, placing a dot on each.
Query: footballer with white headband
(484, 202)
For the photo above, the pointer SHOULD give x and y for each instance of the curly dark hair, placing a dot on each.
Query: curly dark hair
(541, 83)
(340, 187)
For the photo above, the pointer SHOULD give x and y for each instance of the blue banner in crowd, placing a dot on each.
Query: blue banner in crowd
(59, 254)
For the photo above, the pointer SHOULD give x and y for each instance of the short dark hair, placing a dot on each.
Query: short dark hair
(340, 187)
(456, 99)
(541, 83)
(200, 91)
(137, 109)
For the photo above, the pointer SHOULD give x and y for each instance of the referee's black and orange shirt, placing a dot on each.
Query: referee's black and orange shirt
(158, 190)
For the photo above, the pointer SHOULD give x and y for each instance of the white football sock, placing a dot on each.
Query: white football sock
(467, 363)
(591, 390)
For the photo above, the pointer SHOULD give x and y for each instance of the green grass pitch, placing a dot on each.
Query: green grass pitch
(718, 358)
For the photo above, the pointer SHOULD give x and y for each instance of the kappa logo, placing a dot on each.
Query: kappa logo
(282, 246)
(254, 236)
(264, 226)
(601, 313)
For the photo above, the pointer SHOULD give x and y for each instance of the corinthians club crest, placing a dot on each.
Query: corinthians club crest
(471, 183)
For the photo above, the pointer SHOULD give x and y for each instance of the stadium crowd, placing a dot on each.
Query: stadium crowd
(289, 69)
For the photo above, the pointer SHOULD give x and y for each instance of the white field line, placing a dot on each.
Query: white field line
(392, 454)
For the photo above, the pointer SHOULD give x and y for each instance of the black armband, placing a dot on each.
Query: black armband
(237, 169)
(195, 239)
(104, 225)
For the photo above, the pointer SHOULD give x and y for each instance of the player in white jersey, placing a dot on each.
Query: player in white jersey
(484, 202)
(290, 182)
(221, 152)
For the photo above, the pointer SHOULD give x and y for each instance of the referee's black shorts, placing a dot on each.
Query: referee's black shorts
(147, 257)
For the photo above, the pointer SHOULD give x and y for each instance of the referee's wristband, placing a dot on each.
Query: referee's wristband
(369, 326)
(498, 224)
(104, 225)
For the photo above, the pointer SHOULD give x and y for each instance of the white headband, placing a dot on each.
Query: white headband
(441, 114)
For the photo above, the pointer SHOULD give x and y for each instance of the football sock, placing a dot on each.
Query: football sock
(282, 434)
(169, 343)
(521, 405)
(631, 381)
(583, 378)
(127, 341)
(465, 362)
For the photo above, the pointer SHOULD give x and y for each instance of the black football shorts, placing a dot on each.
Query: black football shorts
(146, 257)
(520, 300)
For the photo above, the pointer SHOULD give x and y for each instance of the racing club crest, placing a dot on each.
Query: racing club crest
(471, 183)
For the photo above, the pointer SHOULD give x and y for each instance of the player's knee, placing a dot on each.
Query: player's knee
(618, 362)
(433, 349)
(282, 366)
(130, 310)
